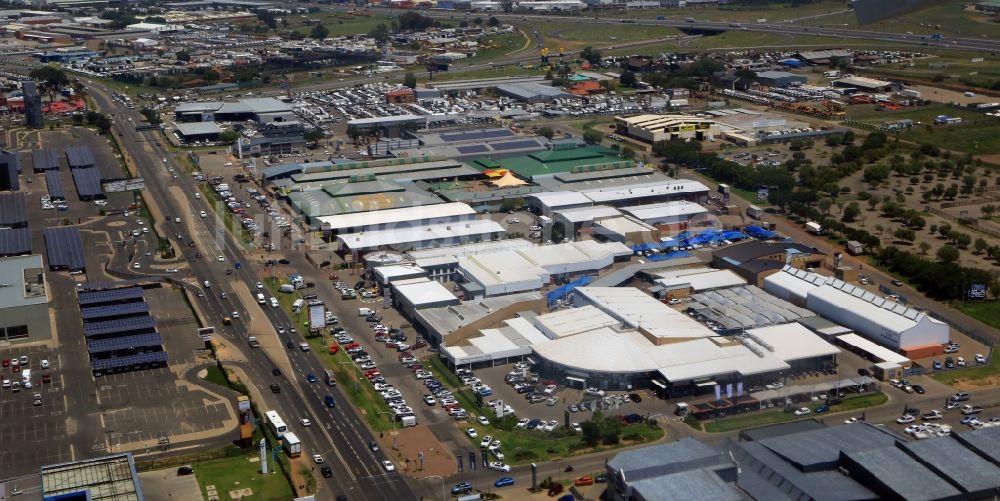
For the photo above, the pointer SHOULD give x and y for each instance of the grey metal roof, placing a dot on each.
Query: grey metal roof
(197, 128)
(683, 455)
(80, 156)
(695, 485)
(985, 442)
(899, 473)
(951, 459)
(777, 430)
(746, 306)
(12, 209)
(15, 242)
(764, 473)
(821, 448)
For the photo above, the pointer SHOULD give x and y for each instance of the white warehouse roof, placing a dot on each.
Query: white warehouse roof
(638, 309)
(573, 321)
(555, 199)
(792, 283)
(880, 352)
(698, 279)
(671, 186)
(425, 292)
(587, 214)
(400, 215)
(422, 233)
(665, 210)
(443, 255)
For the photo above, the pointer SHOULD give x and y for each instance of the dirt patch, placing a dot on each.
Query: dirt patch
(976, 384)
(409, 443)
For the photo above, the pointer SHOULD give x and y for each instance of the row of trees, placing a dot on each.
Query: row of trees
(940, 279)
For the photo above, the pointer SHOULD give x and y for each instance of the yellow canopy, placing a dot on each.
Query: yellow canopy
(508, 180)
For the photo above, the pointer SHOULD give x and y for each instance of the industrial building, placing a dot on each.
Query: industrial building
(561, 159)
(755, 260)
(422, 236)
(808, 460)
(261, 110)
(189, 132)
(660, 190)
(655, 128)
(780, 79)
(865, 84)
(111, 478)
(882, 320)
(24, 309)
(531, 93)
(396, 218)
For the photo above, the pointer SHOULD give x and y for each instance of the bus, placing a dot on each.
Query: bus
(276, 423)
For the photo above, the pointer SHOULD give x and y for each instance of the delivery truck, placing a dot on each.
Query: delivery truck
(755, 212)
(291, 444)
(814, 228)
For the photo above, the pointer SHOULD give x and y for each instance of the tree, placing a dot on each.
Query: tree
(478, 21)
(904, 235)
(947, 254)
(849, 137)
(103, 124)
(380, 34)
(944, 230)
(507, 5)
(924, 247)
(313, 135)
(546, 132)
(53, 79)
(851, 212)
(824, 206)
(988, 211)
(410, 80)
(182, 55)
(228, 137)
(463, 24)
(981, 245)
(592, 137)
(591, 55)
(627, 78)
(627, 153)
(319, 32)
(591, 432)
(493, 21)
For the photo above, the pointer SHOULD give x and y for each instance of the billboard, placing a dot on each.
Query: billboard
(317, 317)
(686, 128)
(977, 291)
(206, 333)
(125, 184)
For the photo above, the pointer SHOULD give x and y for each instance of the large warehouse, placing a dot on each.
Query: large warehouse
(422, 236)
(396, 218)
(654, 128)
(882, 320)
(24, 308)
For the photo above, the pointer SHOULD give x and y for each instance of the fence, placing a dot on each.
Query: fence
(965, 221)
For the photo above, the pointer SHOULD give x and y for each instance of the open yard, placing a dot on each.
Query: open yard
(571, 36)
(775, 12)
(240, 474)
(756, 419)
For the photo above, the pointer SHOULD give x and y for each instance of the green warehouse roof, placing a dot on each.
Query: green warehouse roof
(552, 162)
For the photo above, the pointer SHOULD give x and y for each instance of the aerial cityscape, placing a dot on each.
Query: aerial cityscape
(385, 250)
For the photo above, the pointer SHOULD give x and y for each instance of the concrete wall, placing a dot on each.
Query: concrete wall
(36, 317)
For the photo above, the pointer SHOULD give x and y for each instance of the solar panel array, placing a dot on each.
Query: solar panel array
(124, 343)
(12, 209)
(44, 159)
(15, 242)
(109, 295)
(113, 310)
(476, 135)
(80, 156)
(472, 148)
(54, 183)
(88, 182)
(514, 145)
(64, 249)
(127, 325)
(136, 361)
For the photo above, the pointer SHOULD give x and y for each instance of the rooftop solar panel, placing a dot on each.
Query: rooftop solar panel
(88, 182)
(110, 295)
(119, 325)
(113, 310)
(64, 249)
(514, 145)
(12, 209)
(139, 359)
(55, 186)
(15, 242)
(44, 159)
(80, 156)
(476, 135)
(472, 148)
(124, 343)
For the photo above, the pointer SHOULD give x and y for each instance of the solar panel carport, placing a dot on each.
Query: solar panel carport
(15, 242)
(64, 249)
(108, 296)
(55, 186)
(88, 183)
(80, 157)
(120, 343)
(128, 325)
(12, 210)
(136, 361)
(113, 310)
(44, 159)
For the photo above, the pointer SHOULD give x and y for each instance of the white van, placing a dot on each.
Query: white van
(274, 303)
(298, 305)
(260, 298)
(364, 312)
(286, 288)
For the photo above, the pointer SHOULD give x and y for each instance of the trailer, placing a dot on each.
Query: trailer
(317, 317)
(755, 212)
(291, 444)
(915, 94)
(814, 228)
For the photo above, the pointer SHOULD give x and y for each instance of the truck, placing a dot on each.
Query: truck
(330, 379)
(832, 74)
(855, 248)
(253, 342)
(291, 444)
(408, 421)
(932, 415)
(968, 410)
(814, 228)
(755, 212)
(298, 305)
(915, 94)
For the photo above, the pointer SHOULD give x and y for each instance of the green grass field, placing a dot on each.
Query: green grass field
(773, 13)
(924, 114)
(239, 473)
(949, 66)
(572, 36)
(977, 134)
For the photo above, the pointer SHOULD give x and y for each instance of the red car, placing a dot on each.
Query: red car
(6, 362)
(334, 276)
(334, 349)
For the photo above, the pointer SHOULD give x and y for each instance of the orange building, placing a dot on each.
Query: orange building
(400, 96)
(587, 88)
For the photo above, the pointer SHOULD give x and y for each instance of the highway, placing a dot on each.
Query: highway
(339, 433)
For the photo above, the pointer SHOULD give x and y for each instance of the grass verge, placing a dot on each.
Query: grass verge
(239, 473)
(756, 419)
(522, 446)
(229, 219)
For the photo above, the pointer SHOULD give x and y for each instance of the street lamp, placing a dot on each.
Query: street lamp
(392, 417)
(439, 477)
(356, 370)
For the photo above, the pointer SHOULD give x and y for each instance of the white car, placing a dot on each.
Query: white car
(550, 389)
(523, 423)
(45, 364)
(471, 432)
(575, 427)
(535, 228)
(318, 459)
(494, 445)
(260, 285)
(172, 270)
(551, 425)
(221, 258)
(498, 466)
(305, 422)
(803, 411)
(906, 419)
(595, 392)
(980, 359)
(388, 466)
(203, 214)
(136, 265)
(851, 420)
(483, 420)
(485, 442)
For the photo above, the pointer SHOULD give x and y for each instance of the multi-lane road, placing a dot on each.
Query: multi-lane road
(339, 433)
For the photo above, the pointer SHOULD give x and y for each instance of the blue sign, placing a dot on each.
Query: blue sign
(762, 193)
(977, 291)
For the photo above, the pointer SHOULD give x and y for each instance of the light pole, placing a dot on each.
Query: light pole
(392, 417)
(439, 477)
(358, 371)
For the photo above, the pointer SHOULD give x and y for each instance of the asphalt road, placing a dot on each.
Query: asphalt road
(339, 433)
